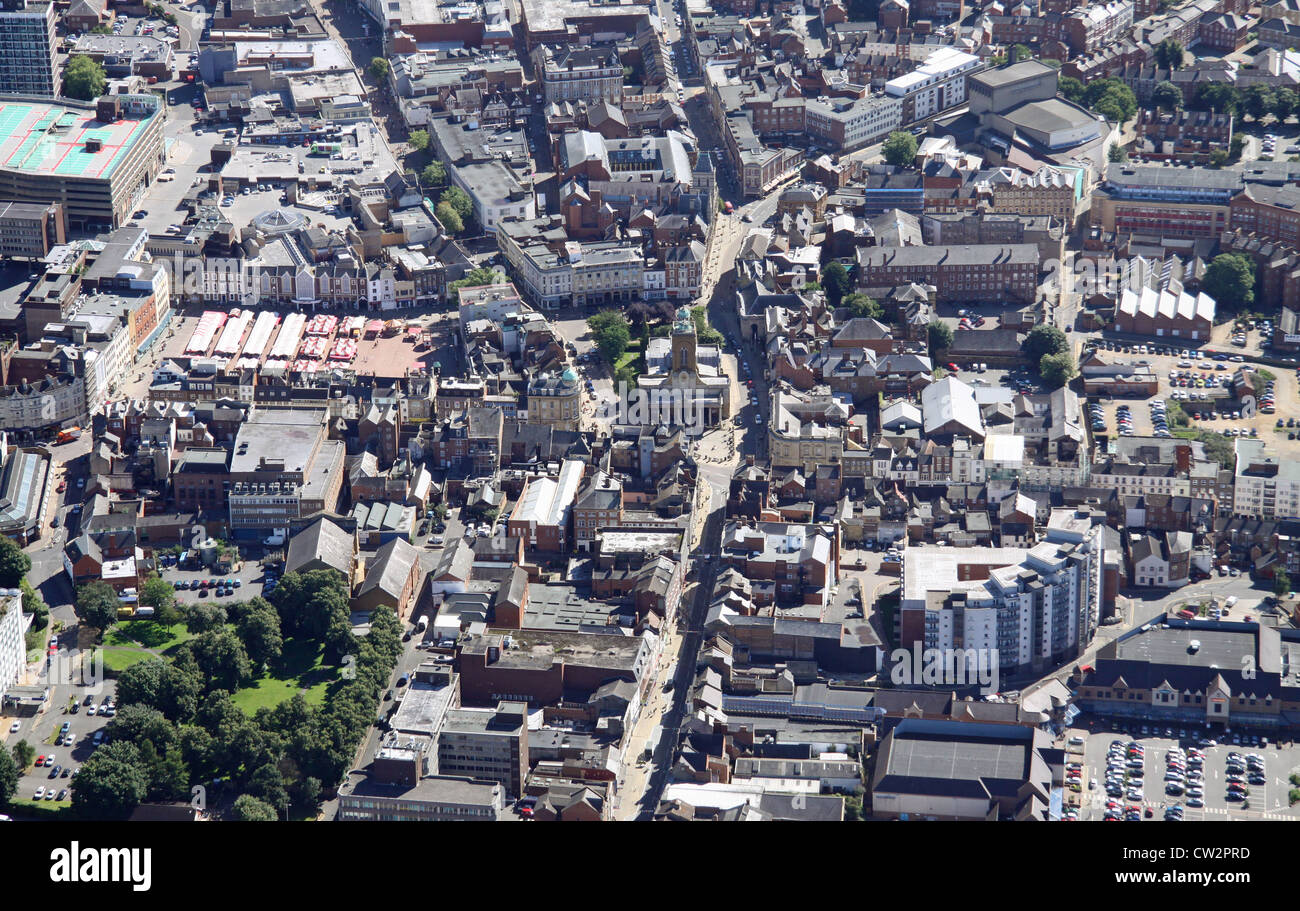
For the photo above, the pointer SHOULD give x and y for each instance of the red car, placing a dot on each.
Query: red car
(953, 367)
(40, 760)
(63, 485)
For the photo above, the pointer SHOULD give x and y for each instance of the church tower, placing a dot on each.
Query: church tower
(704, 183)
(684, 343)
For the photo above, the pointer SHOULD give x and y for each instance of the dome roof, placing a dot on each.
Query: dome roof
(569, 375)
(278, 221)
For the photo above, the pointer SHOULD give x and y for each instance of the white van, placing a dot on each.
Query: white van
(1230, 603)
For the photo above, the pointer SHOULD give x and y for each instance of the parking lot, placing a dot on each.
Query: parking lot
(1268, 800)
(242, 585)
(1196, 374)
(58, 762)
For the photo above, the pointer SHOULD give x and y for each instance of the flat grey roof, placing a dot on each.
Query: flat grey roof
(957, 759)
(1171, 646)
(289, 434)
(1005, 75)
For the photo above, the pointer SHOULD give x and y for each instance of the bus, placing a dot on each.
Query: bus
(326, 148)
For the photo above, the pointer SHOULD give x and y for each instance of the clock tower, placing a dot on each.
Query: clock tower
(684, 343)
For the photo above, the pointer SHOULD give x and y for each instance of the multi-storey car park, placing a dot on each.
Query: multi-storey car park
(96, 160)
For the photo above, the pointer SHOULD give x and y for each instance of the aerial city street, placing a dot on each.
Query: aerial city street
(656, 410)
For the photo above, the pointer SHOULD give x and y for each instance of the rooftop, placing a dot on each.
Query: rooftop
(51, 139)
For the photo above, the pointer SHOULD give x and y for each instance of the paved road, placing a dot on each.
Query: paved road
(720, 277)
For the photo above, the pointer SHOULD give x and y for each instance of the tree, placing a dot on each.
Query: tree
(459, 201)
(1218, 97)
(861, 306)
(1218, 158)
(450, 218)
(474, 278)
(385, 633)
(703, 331)
(1111, 109)
(24, 755)
(199, 618)
(1043, 340)
(14, 564)
(97, 605)
(307, 601)
(378, 68)
(8, 777)
(157, 593)
(111, 782)
(267, 784)
(248, 808)
(222, 658)
(899, 149)
(1020, 52)
(434, 174)
(1070, 88)
(179, 690)
(835, 279)
(1281, 583)
(1230, 280)
(1169, 54)
(1117, 154)
(1057, 369)
(1236, 146)
(141, 683)
(84, 79)
(259, 630)
(612, 334)
(305, 792)
(1257, 101)
(1167, 97)
(1111, 98)
(139, 724)
(35, 605)
(939, 334)
(418, 140)
(1285, 102)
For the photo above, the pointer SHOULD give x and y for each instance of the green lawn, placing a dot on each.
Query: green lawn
(119, 659)
(627, 357)
(147, 633)
(299, 668)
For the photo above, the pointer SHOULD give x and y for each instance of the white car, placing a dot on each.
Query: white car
(13, 728)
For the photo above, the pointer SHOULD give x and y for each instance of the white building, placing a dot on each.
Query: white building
(848, 125)
(1037, 606)
(13, 628)
(934, 86)
(1265, 486)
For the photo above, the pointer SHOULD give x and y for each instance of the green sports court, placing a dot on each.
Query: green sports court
(51, 139)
